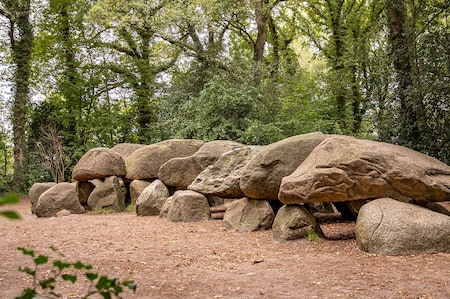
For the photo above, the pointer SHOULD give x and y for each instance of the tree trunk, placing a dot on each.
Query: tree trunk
(412, 112)
(338, 60)
(21, 46)
(261, 22)
(70, 84)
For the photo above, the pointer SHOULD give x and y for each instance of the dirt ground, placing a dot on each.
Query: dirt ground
(205, 260)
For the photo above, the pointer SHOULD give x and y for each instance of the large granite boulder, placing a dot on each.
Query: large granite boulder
(181, 172)
(60, 197)
(386, 226)
(145, 162)
(36, 190)
(99, 163)
(126, 149)
(249, 215)
(152, 199)
(344, 168)
(261, 177)
(222, 178)
(166, 207)
(107, 195)
(294, 222)
(136, 188)
(188, 206)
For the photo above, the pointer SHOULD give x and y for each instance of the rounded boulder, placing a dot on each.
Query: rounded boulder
(99, 163)
(389, 227)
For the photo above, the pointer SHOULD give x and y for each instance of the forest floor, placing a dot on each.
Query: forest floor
(205, 260)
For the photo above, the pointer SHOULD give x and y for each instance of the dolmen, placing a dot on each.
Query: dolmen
(392, 192)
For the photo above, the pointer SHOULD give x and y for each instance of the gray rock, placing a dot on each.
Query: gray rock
(261, 177)
(84, 189)
(60, 197)
(136, 188)
(249, 215)
(215, 200)
(294, 222)
(222, 178)
(344, 168)
(152, 199)
(36, 190)
(144, 163)
(389, 227)
(126, 149)
(166, 207)
(188, 206)
(99, 163)
(107, 195)
(181, 172)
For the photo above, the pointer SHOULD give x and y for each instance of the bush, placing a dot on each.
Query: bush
(104, 286)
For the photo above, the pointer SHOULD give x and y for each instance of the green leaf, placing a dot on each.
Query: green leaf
(79, 265)
(105, 295)
(69, 277)
(61, 265)
(91, 276)
(27, 270)
(26, 251)
(9, 199)
(41, 259)
(117, 289)
(130, 284)
(10, 215)
(47, 283)
(103, 283)
(27, 294)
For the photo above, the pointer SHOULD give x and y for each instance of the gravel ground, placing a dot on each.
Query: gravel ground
(205, 260)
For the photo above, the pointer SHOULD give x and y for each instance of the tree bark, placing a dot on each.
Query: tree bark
(21, 43)
(261, 23)
(411, 107)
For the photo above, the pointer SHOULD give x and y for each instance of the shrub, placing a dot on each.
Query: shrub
(105, 286)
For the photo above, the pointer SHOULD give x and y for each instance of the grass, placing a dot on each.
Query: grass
(312, 236)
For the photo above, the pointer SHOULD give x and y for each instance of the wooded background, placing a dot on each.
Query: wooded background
(78, 74)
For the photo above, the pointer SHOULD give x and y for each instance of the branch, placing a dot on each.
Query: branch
(167, 65)
(130, 42)
(12, 40)
(179, 43)
(5, 14)
(115, 69)
(242, 32)
(194, 36)
(120, 49)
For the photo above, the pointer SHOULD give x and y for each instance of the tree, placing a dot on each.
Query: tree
(411, 105)
(60, 75)
(342, 31)
(52, 154)
(418, 40)
(126, 31)
(17, 12)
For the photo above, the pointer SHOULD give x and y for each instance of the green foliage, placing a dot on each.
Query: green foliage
(417, 116)
(9, 199)
(131, 208)
(104, 286)
(312, 236)
(144, 71)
